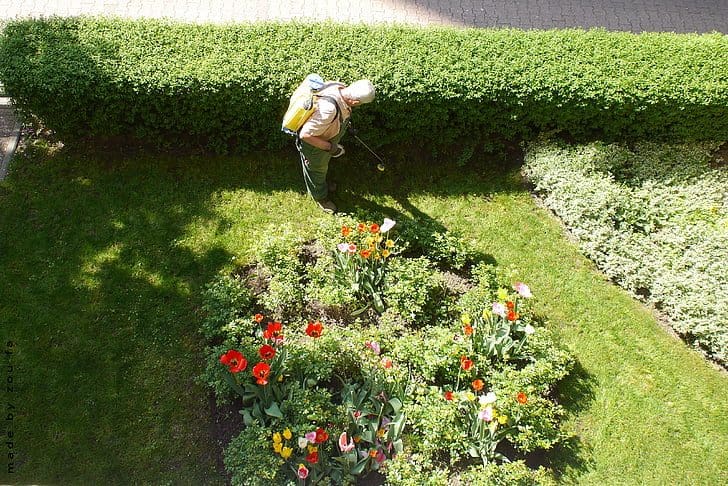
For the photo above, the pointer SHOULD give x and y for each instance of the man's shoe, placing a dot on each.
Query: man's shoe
(332, 186)
(327, 206)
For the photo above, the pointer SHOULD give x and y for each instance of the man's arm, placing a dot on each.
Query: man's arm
(319, 122)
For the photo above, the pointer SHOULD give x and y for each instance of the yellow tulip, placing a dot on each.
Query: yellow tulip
(503, 419)
(287, 434)
(502, 294)
(312, 449)
(465, 318)
(286, 452)
(276, 438)
(277, 447)
(389, 243)
(385, 253)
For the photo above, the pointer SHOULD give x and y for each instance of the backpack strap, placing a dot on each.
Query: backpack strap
(330, 99)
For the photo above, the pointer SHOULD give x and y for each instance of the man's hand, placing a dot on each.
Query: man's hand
(336, 150)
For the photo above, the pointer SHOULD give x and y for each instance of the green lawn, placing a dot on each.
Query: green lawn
(102, 260)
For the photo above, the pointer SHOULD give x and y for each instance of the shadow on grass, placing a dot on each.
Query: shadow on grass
(101, 298)
(576, 394)
(103, 284)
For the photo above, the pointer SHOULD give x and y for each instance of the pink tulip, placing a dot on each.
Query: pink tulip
(343, 445)
(302, 471)
(380, 457)
(522, 290)
(499, 309)
(311, 437)
(374, 346)
(486, 414)
(343, 247)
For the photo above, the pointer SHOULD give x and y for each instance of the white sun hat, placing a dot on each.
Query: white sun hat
(362, 90)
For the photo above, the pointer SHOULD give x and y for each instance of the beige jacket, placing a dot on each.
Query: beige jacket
(324, 123)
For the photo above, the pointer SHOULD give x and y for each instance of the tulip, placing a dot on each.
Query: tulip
(343, 445)
(522, 290)
(499, 309)
(387, 225)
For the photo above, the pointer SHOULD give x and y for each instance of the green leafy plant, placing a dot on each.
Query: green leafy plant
(501, 331)
(147, 71)
(654, 219)
(361, 261)
(389, 384)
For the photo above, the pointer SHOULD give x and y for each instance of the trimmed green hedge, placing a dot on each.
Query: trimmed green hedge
(226, 87)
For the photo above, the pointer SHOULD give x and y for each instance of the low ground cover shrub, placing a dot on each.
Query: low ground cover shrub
(226, 87)
(437, 382)
(654, 218)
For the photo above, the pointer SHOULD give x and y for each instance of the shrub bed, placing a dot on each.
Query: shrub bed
(654, 218)
(226, 87)
(363, 358)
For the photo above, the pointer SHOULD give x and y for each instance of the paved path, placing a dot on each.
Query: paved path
(9, 134)
(625, 15)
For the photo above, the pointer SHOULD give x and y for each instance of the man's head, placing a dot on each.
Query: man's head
(358, 92)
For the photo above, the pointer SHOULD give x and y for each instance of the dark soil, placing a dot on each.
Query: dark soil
(720, 157)
(456, 284)
(226, 424)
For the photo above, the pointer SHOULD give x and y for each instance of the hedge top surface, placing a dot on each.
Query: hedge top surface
(507, 81)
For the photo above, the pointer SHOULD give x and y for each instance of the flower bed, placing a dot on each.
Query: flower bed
(352, 354)
(654, 219)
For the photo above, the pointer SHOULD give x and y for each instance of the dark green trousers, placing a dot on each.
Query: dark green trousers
(315, 165)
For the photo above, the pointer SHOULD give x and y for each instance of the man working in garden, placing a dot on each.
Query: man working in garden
(319, 137)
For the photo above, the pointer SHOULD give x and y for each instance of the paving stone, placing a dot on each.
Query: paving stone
(634, 16)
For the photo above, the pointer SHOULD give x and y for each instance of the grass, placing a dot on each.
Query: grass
(103, 259)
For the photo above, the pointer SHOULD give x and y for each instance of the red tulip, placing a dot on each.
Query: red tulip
(321, 435)
(234, 360)
(261, 372)
(267, 352)
(466, 363)
(315, 329)
(312, 458)
(273, 331)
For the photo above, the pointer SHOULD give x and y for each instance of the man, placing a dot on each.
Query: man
(320, 135)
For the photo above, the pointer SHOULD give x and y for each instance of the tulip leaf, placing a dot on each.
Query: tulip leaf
(359, 468)
(396, 404)
(274, 411)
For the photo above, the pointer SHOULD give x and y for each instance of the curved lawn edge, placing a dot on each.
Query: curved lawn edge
(646, 407)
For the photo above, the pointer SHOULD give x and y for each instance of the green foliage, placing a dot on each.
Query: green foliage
(249, 461)
(415, 290)
(278, 251)
(224, 300)
(446, 248)
(226, 87)
(450, 248)
(394, 383)
(430, 351)
(512, 474)
(482, 294)
(408, 470)
(654, 219)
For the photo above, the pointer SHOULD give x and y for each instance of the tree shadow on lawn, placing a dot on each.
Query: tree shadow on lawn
(575, 393)
(123, 288)
(95, 251)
